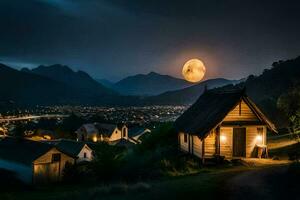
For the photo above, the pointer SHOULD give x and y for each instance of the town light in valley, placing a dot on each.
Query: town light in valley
(95, 139)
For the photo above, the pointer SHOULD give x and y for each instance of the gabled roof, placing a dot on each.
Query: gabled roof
(123, 142)
(210, 110)
(136, 131)
(105, 129)
(70, 147)
(100, 128)
(90, 128)
(22, 150)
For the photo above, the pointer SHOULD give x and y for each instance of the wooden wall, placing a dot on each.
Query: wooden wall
(116, 135)
(251, 139)
(44, 170)
(210, 144)
(246, 113)
(89, 154)
(184, 146)
(194, 144)
(226, 144)
(197, 145)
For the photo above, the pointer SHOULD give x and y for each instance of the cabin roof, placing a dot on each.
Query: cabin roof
(211, 108)
(22, 150)
(70, 147)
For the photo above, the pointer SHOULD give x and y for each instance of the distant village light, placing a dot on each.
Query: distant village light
(95, 139)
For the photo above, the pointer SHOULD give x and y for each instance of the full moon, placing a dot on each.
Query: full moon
(193, 70)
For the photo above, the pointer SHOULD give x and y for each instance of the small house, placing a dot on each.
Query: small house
(98, 132)
(81, 151)
(225, 123)
(33, 162)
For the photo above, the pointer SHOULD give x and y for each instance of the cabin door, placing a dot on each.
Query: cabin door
(239, 142)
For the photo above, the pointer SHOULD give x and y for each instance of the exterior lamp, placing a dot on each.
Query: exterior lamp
(223, 138)
(259, 138)
(95, 139)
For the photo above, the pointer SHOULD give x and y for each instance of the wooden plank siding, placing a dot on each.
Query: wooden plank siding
(241, 112)
(251, 139)
(184, 146)
(197, 146)
(210, 144)
(226, 141)
(44, 170)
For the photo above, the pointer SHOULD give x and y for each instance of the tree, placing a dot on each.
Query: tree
(69, 126)
(19, 131)
(289, 103)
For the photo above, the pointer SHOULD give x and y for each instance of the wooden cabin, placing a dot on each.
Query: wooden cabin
(33, 162)
(225, 123)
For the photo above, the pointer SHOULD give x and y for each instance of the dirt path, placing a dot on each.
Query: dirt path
(256, 184)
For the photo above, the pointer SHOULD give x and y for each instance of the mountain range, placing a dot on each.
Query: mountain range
(44, 87)
(66, 75)
(190, 94)
(149, 84)
(58, 84)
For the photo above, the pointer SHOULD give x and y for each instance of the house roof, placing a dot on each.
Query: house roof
(70, 147)
(105, 129)
(132, 132)
(123, 142)
(22, 150)
(100, 128)
(90, 128)
(210, 110)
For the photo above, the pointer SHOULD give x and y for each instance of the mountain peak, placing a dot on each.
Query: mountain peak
(55, 67)
(66, 75)
(149, 84)
(152, 73)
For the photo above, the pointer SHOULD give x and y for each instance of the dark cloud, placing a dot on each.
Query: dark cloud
(115, 38)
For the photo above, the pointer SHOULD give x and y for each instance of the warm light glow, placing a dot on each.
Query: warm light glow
(193, 70)
(47, 137)
(95, 139)
(259, 138)
(223, 138)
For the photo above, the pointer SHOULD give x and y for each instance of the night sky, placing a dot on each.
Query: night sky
(115, 38)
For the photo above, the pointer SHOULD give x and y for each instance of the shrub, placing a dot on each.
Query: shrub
(73, 173)
(120, 188)
(107, 162)
(294, 155)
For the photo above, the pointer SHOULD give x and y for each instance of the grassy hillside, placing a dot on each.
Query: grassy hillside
(266, 88)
